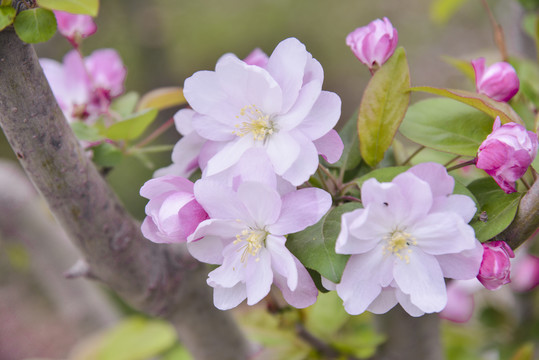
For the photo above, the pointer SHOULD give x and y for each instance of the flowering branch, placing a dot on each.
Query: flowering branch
(155, 279)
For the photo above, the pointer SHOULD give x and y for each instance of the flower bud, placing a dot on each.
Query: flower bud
(525, 272)
(75, 27)
(172, 212)
(375, 43)
(496, 266)
(506, 153)
(498, 81)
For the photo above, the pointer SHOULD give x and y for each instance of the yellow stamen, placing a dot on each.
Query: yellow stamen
(254, 241)
(397, 244)
(256, 123)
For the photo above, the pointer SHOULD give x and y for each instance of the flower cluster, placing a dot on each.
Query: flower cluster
(255, 129)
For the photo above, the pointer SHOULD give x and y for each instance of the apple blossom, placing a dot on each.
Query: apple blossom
(172, 213)
(525, 272)
(75, 27)
(245, 235)
(375, 43)
(506, 153)
(460, 300)
(279, 107)
(257, 57)
(498, 81)
(411, 233)
(496, 265)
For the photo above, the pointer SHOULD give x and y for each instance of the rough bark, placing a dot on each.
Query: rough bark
(155, 279)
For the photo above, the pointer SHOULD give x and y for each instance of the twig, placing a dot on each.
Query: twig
(499, 38)
(418, 150)
(461, 165)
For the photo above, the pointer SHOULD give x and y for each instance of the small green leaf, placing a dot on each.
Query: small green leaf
(351, 157)
(383, 106)
(383, 175)
(481, 102)
(7, 15)
(465, 67)
(85, 7)
(125, 104)
(106, 155)
(85, 132)
(315, 246)
(35, 25)
(162, 98)
(131, 127)
(326, 316)
(499, 207)
(442, 10)
(446, 125)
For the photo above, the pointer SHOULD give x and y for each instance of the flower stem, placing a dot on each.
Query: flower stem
(161, 129)
(525, 183)
(461, 165)
(452, 160)
(350, 198)
(329, 175)
(418, 150)
(498, 32)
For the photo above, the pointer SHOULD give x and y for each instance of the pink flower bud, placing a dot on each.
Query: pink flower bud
(525, 273)
(496, 266)
(172, 212)
(375, 43)
(75, 27)
(506, 153)
(257, 57)
(499, 81)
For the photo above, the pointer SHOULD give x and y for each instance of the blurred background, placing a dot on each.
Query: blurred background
(162, 42)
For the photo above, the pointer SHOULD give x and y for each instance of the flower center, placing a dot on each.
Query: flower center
(256, 122)
(254, 240)
(397, 244)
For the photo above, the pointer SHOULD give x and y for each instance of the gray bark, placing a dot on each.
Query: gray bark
(155, 279)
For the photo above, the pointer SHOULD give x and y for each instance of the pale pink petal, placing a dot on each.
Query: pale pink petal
(464, 265)
(228, 298)
(406, 303)
(158, 186)
(232, 271)
(361, 231)
(204, 94)
(212, 128)
(282, 150)
(107, 71)
(152, 233)
(228, 156)
(305, 164)
(304, 294)
(219, 201)
(330, 146)
(383, 302)
(262, 202)
(282, 260)
(460, 304)
(296, 116)
(324, 115)
(184, 157)
(462, 205)
(208, 249)
(258, 277)
(440, 182)
(257, 57)
(418, 197)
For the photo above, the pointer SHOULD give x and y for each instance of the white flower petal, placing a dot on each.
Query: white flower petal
(464, 265)
(228, 298)
(383, 302)
(304, 294)
(262, 202)
(282, 260)
(258, 276)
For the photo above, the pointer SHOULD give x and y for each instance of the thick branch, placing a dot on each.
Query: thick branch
(150, 277)
(526, 221)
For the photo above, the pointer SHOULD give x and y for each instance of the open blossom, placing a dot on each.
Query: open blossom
(411, 233)
(375, 43)
(84, 88)
(245, 235)
(498, 81)
(506, 153)
(495, 268)
(75, 27)
(172, 214)
(279, 107)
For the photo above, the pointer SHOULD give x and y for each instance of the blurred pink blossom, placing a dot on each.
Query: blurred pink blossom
(257, 57)
(375, 43)
(75, 27)
(496, 265)
(172, 214)
(525, 272)
(506, 153)
(460, 300)
(411, 233)
(498, 81)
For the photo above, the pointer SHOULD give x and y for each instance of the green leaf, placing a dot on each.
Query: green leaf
(177, 353)
(315, 246)
(500, 208)
(7, 15)
(326, 316)
(85, 132)
(162, 98)
(481, 102)
(442, 10)
(383, 175)
(465, 67)
(351, 157)
(383, 106)
(524, 352)
(125, 104)
(131, 127)
(137, 339)
(106, 155)
(446, 125)
(85, 7)
(35, 25)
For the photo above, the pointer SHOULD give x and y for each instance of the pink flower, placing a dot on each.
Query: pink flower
(75, 27)
(375, 43)
(506, 153)
(460, 300)
(257, 57)
(280, 108)
(411, 233)
(499, 81)
(525, 273)
(246, 236)
(107, 71)
(172, 212)
(496, 267)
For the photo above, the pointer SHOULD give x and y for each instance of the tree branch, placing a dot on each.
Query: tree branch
(158, 280)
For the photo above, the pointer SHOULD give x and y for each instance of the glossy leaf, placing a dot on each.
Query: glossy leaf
(351, 157)
(106, 155)
(383, 106)
(125, 104)
(162, 98)
(7, 15)
(446, 125)
(315, 246)
(481, 102)
(35, 25)
(500, 208)
(85, 7)
(131, 127)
